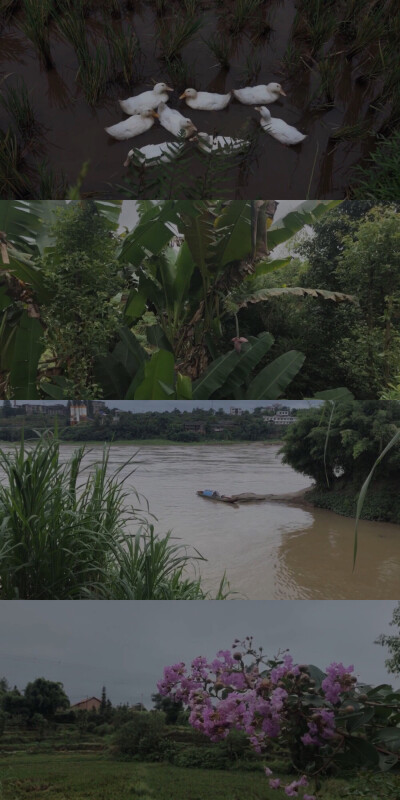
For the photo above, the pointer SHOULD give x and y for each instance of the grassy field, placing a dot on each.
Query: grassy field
(78, 776)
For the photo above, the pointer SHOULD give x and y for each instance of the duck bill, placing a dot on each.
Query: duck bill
(282, 92)
(181, 96)
(154, 114)
(127, 162)
(169, 88)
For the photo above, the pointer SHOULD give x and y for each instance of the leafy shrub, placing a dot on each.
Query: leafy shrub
(142, 737)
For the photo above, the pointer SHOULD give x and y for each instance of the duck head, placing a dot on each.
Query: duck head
(160, 88)
(188, 93)
(264, 111)
(276, 88)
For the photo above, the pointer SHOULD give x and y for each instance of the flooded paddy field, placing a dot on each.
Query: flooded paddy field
(336, 66)
(268, 550)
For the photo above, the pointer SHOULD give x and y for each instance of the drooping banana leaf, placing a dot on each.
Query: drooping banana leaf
(272, 381)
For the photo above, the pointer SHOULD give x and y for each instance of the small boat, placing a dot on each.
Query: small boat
(245, 497)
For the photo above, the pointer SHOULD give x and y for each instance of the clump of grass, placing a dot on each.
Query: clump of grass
(292, 58)
(34, 22)
(125, 53)
(50, 183)
(329, 71)
(379, 178)
(17, 103)
(13, 182)
(251, 67)
(315, 22)
(239, 15)
(93, 73)
(180, 73)
(73, 28)
(356, 132)
(190, 7)
(220, 46)
(67, 534)
(174, 37)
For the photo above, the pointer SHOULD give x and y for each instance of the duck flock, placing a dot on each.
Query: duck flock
(145, 108)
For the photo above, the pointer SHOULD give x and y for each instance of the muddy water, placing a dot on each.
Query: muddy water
(73, 133)
(269, 550)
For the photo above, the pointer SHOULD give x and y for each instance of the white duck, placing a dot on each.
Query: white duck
(133, 126)
(209, 143)
(155, 152)
(174, 122)
(259, 94)
(141, 102)
(205, 101)
(278, 128)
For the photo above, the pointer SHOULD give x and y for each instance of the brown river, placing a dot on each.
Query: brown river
(268, 550)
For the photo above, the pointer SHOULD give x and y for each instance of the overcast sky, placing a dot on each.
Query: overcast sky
(136, 406)
(125, 645)
(129, 215)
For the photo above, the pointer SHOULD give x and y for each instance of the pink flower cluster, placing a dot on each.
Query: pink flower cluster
(338, 680)
(241, 689)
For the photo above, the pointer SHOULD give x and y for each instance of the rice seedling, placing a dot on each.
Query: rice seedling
(180, 73)
(220, 46)
(251, 67)
(292, 58)
(161, 7)
(17, 103)
(93, 73)
(7, 8)
(13, 182)
(50, 183)
(125, 53)
(191, 7)
(328, 70)
(239, 15)
(315, 22)
(34, 23)
(174, 37)
(356, 132)
(72, 26)
(66, 533)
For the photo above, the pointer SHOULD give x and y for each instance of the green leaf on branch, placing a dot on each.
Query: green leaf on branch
(159, 376)
(272, 381)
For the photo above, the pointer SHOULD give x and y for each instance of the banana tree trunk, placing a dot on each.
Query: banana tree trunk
(191, 351)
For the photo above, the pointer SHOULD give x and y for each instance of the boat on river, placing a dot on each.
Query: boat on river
(245, 497)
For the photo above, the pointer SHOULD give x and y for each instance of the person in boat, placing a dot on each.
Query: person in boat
(210, 493)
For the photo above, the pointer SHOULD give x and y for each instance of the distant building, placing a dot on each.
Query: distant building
(282, 417)
(236, 412)
(77, 412)
(195, 427)
(138, 707)
(90, 704)
(44, 408)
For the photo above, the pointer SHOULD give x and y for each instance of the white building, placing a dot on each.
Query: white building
(235, 412)
(282, 417)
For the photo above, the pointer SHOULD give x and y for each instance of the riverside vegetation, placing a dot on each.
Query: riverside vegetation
(68, 535)
(215, 317)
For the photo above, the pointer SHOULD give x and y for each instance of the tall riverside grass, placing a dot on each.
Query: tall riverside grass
(66, 533)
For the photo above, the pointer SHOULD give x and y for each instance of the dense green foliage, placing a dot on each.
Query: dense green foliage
(81, 276)
(392, 642)
(66, 533)
(142, 319)
(355, 249)
(338, 446)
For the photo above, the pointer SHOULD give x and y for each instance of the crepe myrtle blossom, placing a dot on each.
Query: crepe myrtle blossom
(243, 690)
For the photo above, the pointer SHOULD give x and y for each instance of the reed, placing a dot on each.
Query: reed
(66, 533)
(35, 24)
(17, 103)
(360, 130)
